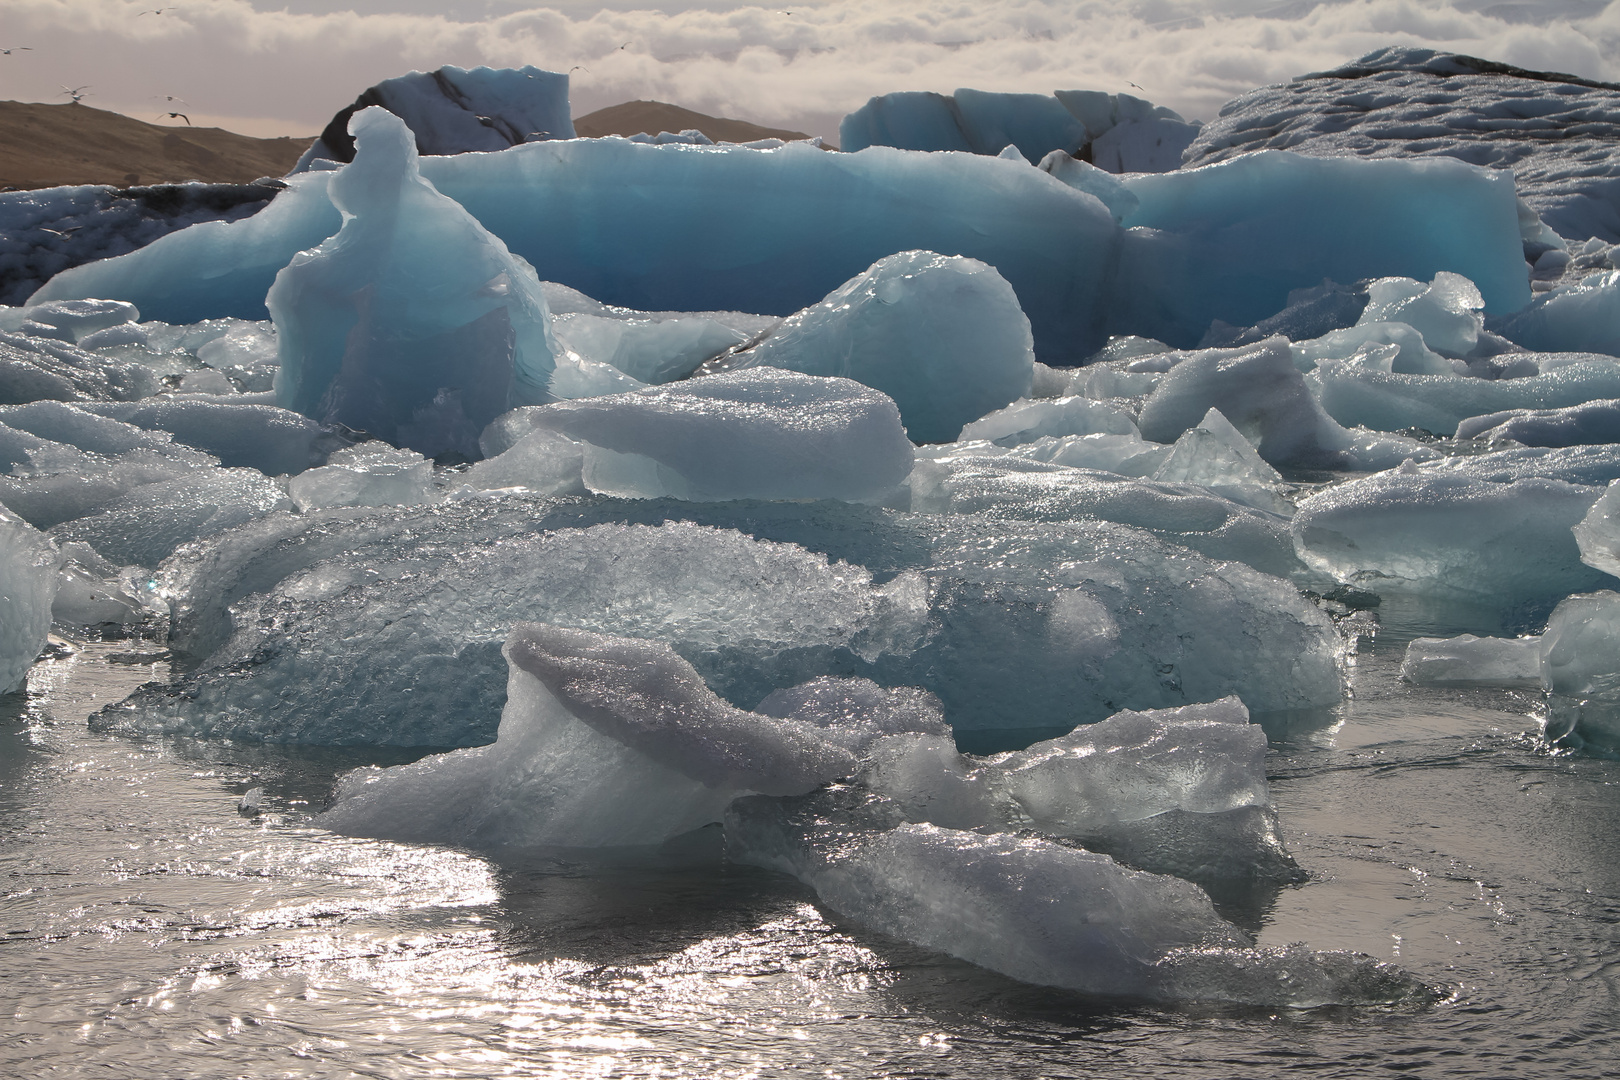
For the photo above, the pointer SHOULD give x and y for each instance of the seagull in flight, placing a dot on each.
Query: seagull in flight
(16, 48)
(158, 11)
(176, 116)
(1129, 83)
(77, 93)
(578, 67)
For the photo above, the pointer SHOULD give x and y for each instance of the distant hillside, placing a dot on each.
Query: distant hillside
(46, 145)
(635, 117)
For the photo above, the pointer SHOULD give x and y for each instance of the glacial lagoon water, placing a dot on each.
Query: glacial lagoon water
(148, 927)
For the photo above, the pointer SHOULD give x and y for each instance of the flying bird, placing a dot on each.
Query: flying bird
(578, 67)
(176, 116)
(158, 11)
(1129, 83)
(16, 48)
(626, 45)
(77, 93)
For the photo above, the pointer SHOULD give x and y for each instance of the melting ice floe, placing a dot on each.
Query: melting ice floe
(607, 740)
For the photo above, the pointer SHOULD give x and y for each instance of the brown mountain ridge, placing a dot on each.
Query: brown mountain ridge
(46, 145)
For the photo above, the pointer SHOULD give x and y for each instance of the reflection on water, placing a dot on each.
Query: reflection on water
(148, 928)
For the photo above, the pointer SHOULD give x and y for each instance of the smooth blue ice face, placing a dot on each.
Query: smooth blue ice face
(944, 337)
(1234, 238)
(413, 323)
(700, 228)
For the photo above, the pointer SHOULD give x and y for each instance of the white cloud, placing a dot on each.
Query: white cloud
(287, 71)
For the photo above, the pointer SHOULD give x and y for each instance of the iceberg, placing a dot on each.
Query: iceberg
(1579, 672)
(412, 323)
(775, 231)
(943, 336)
(455, 110)
(1572, 425)
(371, 474)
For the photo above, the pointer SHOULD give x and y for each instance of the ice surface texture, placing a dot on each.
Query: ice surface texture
(454, 110)
(412, 323)
(383, 629)
(775, 231)
(28, 566)
(1555, 132)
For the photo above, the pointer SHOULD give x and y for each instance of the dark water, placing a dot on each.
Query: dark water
(148, 929)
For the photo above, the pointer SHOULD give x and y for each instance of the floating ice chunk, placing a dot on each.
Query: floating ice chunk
(78, 319)
(1573, 425)
(94, 592)
(942, 335)
(275, 441)
(576, 376)
(1584, 317)
(1179, 791)
(1589, 465)
(1598, 533)
(760, 433)
(1128, 455)
(1447, 312)
(145, 525)
(28, 583)
(1379, 346)
(646, 350)
(1260, 392)
(1501, 550)
(1215, 455)
(455, 110)
(604, 741)
(1143, 145)
(1037, 910)
(1358, 395)
(38, 369)
(371, 474)
(1580, 673)
(1310, 313)
(856, 712)
(412, 323)
(1014, 488)
(542, 462)
(396, 643)
(1473, 661)
(1086, 177)
(1292, 220)
(1026, 420)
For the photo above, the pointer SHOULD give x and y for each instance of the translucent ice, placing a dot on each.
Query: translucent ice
(603, 741)
(40, 369)
(1215, 455)
(1379, 346)
(943, 336)
(760, 433)
(1446, 311)
(398, 643)
(1583, 317)
(1037, 910)
(1260, 392)
(1025, 421)
(144, 525)
(28, 566)
(1012, 624)
(370, 474)
(1579, 671)
(1501, 549)
(1355, 394)
(412, 323)
(1573, 425)
(1473, 661)
(275, 441)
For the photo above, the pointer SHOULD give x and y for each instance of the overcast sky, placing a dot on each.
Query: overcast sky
(282, 67)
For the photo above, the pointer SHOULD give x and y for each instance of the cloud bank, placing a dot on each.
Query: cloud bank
(287, 71)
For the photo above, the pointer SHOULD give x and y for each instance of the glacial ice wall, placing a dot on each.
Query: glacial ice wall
(774, 231)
